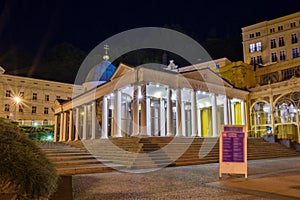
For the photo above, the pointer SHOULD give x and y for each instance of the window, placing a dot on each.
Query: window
(6, 107)
(8, 93)
(69, 98)
(293, 24)
(252, 35)
(57, 97)
(295, 52)
(294, 38)
(46, 111)
(259, 60)
(269, 78)
(256, 60)
(258, 46)
(257, 34)
(287, 74)
(47, 98)
(252, 48)
(21, 108)
(253, 61)
(281, 41)
(282, 55)
(22, 94)
(45, 122)
(280, 28)
(272, 30)
(255, 47)
(33, 109)
(34, 96)
(273, 43)
(274, 57)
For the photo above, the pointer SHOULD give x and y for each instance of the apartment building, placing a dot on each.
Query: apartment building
(30, 101)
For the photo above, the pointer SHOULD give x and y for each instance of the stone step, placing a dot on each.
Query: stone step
(70, 158)
(90, 168)
(76, 162)
(155, 152)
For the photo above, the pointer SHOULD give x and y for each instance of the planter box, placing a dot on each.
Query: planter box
(286, 143)
(269, 138)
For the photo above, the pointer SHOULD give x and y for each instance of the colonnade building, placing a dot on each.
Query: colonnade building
(151, 101)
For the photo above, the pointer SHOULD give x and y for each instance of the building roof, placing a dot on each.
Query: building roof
(1, 70)
(101, 72)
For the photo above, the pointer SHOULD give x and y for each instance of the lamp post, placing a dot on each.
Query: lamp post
(17, 100)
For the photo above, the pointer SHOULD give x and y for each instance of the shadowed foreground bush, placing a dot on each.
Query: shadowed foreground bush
(24, 168)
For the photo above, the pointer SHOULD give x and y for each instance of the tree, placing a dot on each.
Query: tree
(63, 59)
(25, 171)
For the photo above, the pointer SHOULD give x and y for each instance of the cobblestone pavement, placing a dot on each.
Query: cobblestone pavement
(195, 182)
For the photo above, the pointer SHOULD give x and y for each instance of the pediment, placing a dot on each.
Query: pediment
(121, 70)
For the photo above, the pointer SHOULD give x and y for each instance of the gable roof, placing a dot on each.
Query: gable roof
(121, 70)
(206, 75)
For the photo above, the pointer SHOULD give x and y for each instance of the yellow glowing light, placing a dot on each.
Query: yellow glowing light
(17, 99)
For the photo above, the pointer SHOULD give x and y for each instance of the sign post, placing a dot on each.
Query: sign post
(233, 150)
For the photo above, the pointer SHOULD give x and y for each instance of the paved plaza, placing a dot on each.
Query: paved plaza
(267, 179)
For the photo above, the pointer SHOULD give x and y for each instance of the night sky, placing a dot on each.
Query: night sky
(34, 27)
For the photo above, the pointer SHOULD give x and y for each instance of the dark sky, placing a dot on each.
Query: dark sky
(37, 26)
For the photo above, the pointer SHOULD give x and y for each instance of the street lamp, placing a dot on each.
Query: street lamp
(17, 100)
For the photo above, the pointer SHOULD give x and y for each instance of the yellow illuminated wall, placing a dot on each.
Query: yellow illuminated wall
(206, 114)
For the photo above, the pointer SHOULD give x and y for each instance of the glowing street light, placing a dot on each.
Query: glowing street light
(17, 100)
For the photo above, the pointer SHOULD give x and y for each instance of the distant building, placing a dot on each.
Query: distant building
(31, 101)
(272, 47)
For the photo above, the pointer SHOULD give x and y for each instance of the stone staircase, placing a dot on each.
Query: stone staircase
(73, 160)
(156, 152)
(145, 153)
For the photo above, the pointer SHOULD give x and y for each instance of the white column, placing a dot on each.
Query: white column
(104, 118)
(229, 111)
(77, 126)
(70, 125)
(199, 119)
(169, 113)
(178, 113)
(61, 127)
(85, 117)
(232, 113)
(183, 119)
(55, 128)
(194, 113)
(162, 118)
(118, 112)
(148, 110)
(143, 113)
(243, 112)
(94, 120)
(225, 110)
(214, 115)
(135, 111)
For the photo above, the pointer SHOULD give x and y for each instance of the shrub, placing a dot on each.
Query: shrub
(24, 168)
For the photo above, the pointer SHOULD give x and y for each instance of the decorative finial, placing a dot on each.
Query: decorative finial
(106, 48)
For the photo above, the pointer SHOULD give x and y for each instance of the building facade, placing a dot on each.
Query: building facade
(31, 101)
(149, 102)
(272, 47)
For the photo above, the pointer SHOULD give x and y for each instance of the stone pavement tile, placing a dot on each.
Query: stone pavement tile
(170, 183)
(193, 182)
(285, 185)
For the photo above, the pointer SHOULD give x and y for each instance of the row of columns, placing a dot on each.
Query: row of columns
(141, 122)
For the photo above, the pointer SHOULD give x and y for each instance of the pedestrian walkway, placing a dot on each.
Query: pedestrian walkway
(267, 179)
